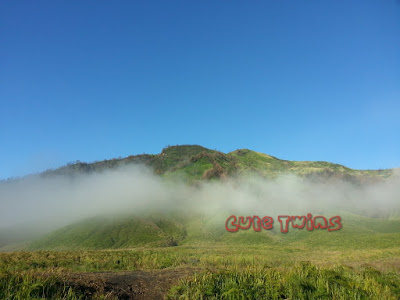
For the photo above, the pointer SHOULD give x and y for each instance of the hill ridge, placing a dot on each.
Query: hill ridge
(195, 162)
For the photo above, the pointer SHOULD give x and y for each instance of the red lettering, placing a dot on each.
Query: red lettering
(232, 223)
(317, 226)
(284, 229)
(337, 220)
(267, 223)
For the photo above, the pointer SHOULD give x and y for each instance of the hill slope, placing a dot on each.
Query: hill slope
(105, 232)
(162, 230)
(193, 162)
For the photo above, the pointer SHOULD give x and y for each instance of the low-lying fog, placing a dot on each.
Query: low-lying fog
(59, 200)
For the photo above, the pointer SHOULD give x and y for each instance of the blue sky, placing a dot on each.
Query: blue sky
(300, 80)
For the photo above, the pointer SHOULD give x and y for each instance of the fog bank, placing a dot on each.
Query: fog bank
(60, 200)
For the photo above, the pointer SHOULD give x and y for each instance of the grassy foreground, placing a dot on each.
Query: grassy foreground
(224, 272)
(360, 261)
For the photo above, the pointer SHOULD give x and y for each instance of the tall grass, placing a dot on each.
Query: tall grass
(302, 281)
(22, 286)
(223, 272)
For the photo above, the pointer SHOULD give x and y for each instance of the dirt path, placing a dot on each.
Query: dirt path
(129, 284)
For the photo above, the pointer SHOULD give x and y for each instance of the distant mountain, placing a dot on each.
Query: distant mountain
(193, 162)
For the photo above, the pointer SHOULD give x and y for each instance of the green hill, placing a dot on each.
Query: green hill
(193, 163)
(114, 232)
(168, 230)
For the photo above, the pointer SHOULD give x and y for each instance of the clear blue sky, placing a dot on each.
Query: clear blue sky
(300, 80)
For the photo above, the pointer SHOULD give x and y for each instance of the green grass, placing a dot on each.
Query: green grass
(267, 270)
(171, 229)
(27, 285)
(114, 233)
(301, 281)
(360, 261)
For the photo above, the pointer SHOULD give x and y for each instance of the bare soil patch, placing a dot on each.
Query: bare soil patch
(138, 284)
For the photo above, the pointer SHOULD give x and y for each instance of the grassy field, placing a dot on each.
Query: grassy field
(222, 271)
(360, 261)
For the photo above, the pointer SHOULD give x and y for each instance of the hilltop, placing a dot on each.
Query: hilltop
(194, 162)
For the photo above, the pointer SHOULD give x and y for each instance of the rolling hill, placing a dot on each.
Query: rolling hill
(193, 164)
(167, 231)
